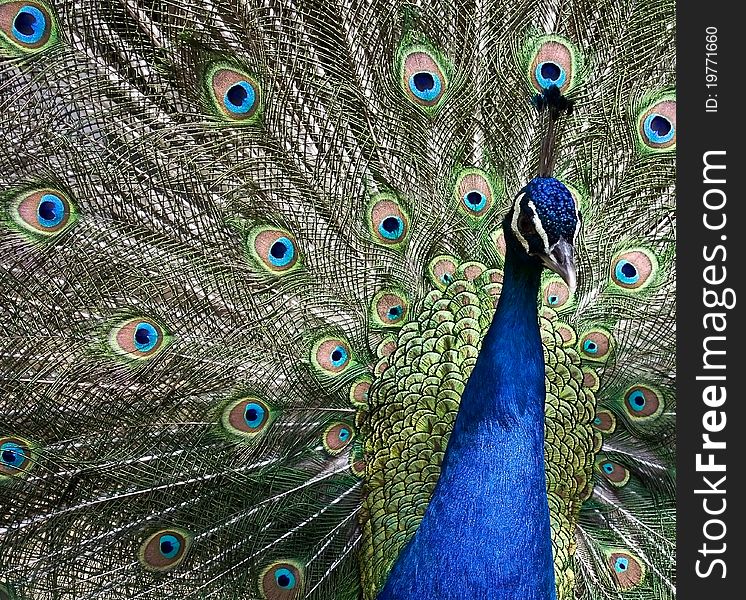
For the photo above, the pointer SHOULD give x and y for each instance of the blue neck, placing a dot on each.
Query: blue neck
(486, 531)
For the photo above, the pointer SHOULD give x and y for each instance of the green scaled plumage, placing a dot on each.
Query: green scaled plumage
(311, 275)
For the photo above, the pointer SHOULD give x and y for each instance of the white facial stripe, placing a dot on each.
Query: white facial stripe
(539, 227)
(514, 224)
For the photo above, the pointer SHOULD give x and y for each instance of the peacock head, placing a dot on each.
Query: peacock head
(546, 221)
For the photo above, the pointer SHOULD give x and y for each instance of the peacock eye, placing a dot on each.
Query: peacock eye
(657, 125)
(424, 82)
(552, 64)
(274, 249)
(164, 550)
(44, 212)
(627, 570)
(337, 437)
(388, 308)
(658, 129)
(234, 94)
(28, 26)
(643, 402)
(138, 338)
(15, 456)
(388, 222)
(281, 581)
(247, 417)
(331, 355)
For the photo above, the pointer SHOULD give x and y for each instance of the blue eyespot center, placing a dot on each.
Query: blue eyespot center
(658, 129)
(395, 312)
(597, 421)
(637, 400)
(550, 73)
(553, 299)
(51, 210)
(423, 81)
(391, 227)
(285, 579)
(425, 85)
(446, 278)
(475, 200)
(240, 97)
(146, 337)
(660, 125)
(608, 468)
(29, 25)
(344, 435)
(12, 455)
(626, 272)
(169, 545)
(254, 415)
(621, 564)
(590, 346)
(338, 356)
(282, 252)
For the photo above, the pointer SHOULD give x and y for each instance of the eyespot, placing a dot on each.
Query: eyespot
(389, 224)
(604, 421)
(235, 94)
(615, 473)
(389, 309)
(626, 569)
(138, 338)
(247, 417)
(556, 294)
(164, 550)
(27, 26)
(474, 193)
(595, 345)
(357, 466)
(281, 581)
(591, 379)
(359, 392)
(274, 249)
(642, 402)
(337, 437)
(657, 125)
(471, 270)
(553, 64)
(15, 457)
(331, 355)
(43, 212)
(442, 271)
(633, 269)
(423, 79)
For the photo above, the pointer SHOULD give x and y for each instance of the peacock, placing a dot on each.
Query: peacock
(341, 299)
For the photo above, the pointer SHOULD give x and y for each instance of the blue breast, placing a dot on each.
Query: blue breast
(486, 531)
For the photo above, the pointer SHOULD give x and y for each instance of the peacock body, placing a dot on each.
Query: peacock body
(275, 320)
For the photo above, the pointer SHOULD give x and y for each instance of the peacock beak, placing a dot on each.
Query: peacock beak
(561, 260)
